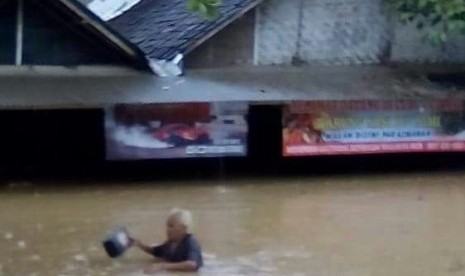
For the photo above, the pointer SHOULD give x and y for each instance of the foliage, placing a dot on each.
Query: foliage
(438, 18)
(208, 8)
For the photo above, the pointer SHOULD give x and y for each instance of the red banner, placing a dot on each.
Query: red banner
(368, 127)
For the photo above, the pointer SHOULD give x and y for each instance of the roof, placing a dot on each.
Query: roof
(164, 28)
(99, 26)
(32, 89)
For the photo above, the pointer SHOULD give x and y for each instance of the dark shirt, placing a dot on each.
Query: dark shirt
(187, 250)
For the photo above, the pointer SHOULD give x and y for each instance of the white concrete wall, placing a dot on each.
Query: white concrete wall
(277, 32)
(341, 32)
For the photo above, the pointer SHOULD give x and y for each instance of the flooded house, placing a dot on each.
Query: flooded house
(165, 103)
(67, 66)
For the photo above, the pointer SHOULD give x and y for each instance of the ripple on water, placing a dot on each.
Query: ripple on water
(80, 258)
(264, 262)
(35, 258)
(39, 226)
(8, 236)
(21, 244)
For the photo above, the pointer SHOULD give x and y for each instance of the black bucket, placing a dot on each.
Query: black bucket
(117, 243)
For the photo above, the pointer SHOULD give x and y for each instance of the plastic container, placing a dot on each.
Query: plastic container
(117, 243)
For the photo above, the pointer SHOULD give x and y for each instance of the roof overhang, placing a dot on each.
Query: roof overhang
(33, 89)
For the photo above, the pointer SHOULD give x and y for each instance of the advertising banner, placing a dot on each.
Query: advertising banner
(365, 127)
(158, 131)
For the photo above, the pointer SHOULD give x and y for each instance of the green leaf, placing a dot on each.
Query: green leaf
(438, 18)
(438, 8)
(212, 13)
(203, 9)
(193, 5)
(443, 37)
(213, 3)
(422, 4)
(207, 8)
(456, 25)
(406, 16)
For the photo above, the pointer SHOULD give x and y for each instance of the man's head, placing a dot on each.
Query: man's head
(178, 224)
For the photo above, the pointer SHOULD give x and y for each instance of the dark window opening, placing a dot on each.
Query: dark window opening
(7, 32)
(55, 36)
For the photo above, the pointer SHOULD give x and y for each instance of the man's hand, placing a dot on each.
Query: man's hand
(134, 242)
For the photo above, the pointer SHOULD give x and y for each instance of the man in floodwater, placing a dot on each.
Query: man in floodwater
(181, 251)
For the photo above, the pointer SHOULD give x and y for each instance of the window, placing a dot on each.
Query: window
(51, 35)
(7, 32)
(54, 36)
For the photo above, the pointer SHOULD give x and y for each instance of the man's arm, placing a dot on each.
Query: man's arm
(146, 248)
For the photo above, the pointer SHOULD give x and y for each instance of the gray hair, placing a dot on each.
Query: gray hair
(183, 216)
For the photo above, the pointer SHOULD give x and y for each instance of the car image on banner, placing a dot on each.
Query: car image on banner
(159, 131)
(368, 127)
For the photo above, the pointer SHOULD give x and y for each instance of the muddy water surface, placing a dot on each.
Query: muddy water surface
(345, 226)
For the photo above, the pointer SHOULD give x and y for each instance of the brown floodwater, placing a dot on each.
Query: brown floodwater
(412, 224)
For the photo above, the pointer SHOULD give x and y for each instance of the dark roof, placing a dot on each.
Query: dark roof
(163, 28)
